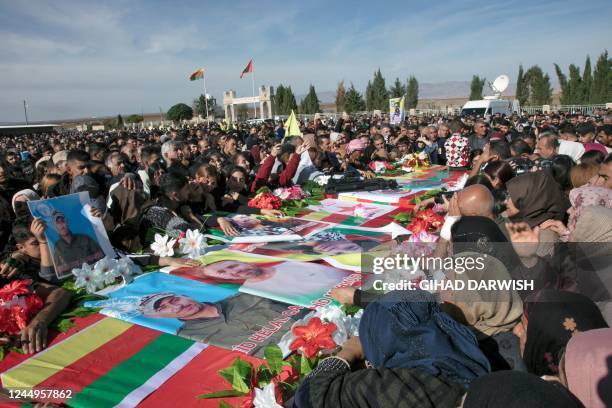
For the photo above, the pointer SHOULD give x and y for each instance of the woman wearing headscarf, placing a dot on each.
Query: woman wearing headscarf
(20, 200)
(481, 234)
(550, 319)
(587, 196)
(534, 198)
(420, 357)
(513, 389)
(586, 368)
(490, 314)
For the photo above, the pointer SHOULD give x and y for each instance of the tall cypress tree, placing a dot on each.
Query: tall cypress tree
(369, 97)
(380, 95)
(587, 81)
(353, 100)
(522, 87)
(279, 100)
(412, 93)
(565, 92)
(539, 86)
(601, 87)
(289, 104)
(476, 87)
(340, 97)
(310, 104)
(397, 90)
(574, 85)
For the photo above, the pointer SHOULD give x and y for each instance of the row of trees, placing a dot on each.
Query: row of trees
(533, 87)
(592, 86)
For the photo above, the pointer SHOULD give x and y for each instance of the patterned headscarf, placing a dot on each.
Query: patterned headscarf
(553, 317)
(355, 145)
(588, 196)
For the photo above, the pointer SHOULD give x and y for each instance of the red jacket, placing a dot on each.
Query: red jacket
(284, 178)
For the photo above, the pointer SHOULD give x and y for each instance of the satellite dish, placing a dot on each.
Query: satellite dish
(500, 84)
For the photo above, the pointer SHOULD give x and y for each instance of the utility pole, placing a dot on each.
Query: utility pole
(25, 111)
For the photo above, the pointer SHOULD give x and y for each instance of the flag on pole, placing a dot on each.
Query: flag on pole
(199, 74)
(249, 68)
(292, 128)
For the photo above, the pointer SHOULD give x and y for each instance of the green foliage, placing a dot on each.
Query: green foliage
(284, 100)
(354, 101)
(350, 310)
(134, 119)
(120, 121)
(377, 96)
(412, 93)
(274, 358)
(587, 81)
(565, 97)
(522, 88)
(200, 105)
(601, 86)
(540, 91)
(179, 112)
(340, 97)
(403, 218)
(310, 104)
(476, 87)
(397, 90)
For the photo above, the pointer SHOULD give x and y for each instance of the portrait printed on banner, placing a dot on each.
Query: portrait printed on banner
(74, 236)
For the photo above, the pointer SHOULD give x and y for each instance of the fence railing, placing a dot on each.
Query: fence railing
(584, 109)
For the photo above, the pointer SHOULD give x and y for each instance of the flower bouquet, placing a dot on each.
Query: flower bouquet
(291, 193)
(18, 305)
(425, 221)
(265, 199)
(380, 166)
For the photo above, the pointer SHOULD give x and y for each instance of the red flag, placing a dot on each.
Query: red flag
(249, 68)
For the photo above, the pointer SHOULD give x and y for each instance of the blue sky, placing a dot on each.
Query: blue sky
(83, 58)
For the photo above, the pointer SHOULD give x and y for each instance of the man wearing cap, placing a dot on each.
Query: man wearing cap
(60, 161)
(227, 322)
(72, 250)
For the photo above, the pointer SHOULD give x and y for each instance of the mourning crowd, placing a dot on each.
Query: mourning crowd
(538, 203)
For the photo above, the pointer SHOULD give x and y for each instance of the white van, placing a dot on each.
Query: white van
(487, 107)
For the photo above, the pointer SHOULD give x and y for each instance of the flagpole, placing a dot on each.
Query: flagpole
(206, 101)
(253, 83)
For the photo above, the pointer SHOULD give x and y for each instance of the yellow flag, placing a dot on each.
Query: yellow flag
(292, 128)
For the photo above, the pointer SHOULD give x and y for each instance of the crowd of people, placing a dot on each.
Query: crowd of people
(538, 200)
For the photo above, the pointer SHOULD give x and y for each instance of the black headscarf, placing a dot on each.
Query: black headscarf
(538, 198)
(514, 389)
(553, 317)
(482, 235)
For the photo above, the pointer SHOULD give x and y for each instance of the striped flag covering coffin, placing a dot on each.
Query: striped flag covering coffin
(109, 363)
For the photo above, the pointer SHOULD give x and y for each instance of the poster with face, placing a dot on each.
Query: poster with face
(73, 234)
(258, 228)
(203, 312)
(295, 283)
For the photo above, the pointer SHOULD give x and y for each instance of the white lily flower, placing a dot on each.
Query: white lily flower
(107, 269)
(163, 245)
(265, 398)
(87, 278)
(193, 244)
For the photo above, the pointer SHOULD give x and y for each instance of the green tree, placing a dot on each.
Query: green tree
(120, 121)
(522, 87)
(290, 103)
(601, 86)
(397, 90)
(179, 112)
(540, 91)
(379, 96)
(476, 87)
(200, 105)
(587, 80)
(279, 99)
(563, 83)
(340, 97)
(412, 93)
(134, 119)
(369, 98)
(310, 104)
(353, 101)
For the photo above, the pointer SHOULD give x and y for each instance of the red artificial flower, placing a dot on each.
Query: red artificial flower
(289, 375)
(417, 225)
(265, 200)
(15, 288)
(313, 337)
(432, 218)
(34, 304)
